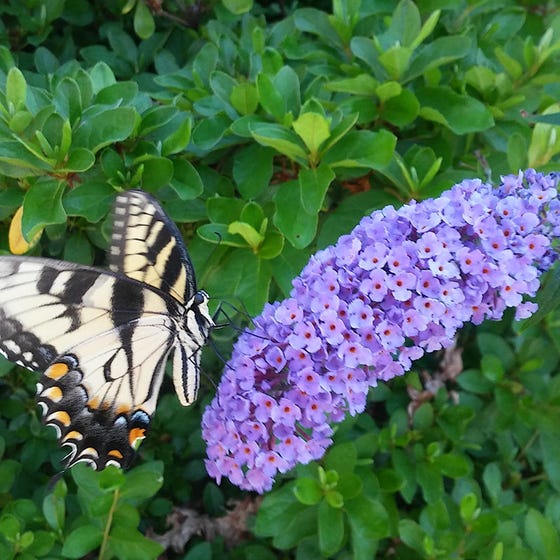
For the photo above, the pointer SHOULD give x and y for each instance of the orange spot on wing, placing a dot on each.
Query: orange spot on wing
(56, 371)
(54, 394)
(91, 451)
(122, 409)
(115, 453)
(93, 403)
(60, 416)
(73, 435)
(135, 434)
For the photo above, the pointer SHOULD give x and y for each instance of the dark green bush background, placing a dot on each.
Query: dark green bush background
(267, 131)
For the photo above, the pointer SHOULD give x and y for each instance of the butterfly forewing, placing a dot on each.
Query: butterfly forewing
(102, 338)
(147, 246)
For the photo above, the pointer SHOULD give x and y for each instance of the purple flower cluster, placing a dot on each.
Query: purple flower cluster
(399, 285)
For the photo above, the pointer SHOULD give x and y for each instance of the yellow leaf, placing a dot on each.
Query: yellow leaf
(18, 244)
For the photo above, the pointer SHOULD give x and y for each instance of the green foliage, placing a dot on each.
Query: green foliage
(267, 131)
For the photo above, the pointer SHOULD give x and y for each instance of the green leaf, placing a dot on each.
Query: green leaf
(100, 76)
(430, 481)
(81, 541)
(186, 181)
(460, 113)
(472, 380)
(368, 518)
(144, 24)
(121, 93)
(276, 510)
(238, 7)
(219, 234)
(395, 60)
(253, 214)
(244, 98)
(468, 507)
(157, 173)
(42, 206)
(288, 86)
(54, 506)
(204, 64)
(411, 534)
(78, 249)
(105, 128)
(155, 118)
(279, 138)
(19, 121)
(314, 184)
(272, 245)
(91, 200)
(544, 140)
(291, 219)
(16, 160)
(439, 52)
(342, 458)
(178, 138)
(362, 84)
(541, 535)
(551, 458)
(249, 233)
(142, 482)
(210, 131)
(288, 265)
(16, 89)
(127, 544)
(401, 109)
(453, 465)
(313, 129)
(362, 148)
(252, 170)
(223, 209)
(270, 98)
(255, 281)
(331, 529)
(78, 161)
(308, 491)
(318, 22)
(8, 471)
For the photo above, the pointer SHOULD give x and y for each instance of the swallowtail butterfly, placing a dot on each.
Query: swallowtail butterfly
(102, 337)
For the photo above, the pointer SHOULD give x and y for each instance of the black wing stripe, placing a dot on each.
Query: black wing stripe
(147, 246)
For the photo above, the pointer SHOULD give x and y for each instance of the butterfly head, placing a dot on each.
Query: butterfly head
(198, 306)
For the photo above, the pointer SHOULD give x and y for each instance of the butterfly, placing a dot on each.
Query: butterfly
(102, 337)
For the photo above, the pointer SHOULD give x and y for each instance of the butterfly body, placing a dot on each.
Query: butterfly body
(102, 337)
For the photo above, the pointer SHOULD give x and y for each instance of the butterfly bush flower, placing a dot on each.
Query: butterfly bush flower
(361, 311)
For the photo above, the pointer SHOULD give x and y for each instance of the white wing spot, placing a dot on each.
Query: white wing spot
(27, 356)
(12, 346)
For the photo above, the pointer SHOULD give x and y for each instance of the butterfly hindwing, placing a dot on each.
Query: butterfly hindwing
(102, 338)
(102, 341)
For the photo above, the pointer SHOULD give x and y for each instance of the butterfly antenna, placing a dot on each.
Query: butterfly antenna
(229, 321)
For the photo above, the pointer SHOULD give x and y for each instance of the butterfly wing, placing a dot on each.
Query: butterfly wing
(102, 341)
(103, 338)
(147, 246)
